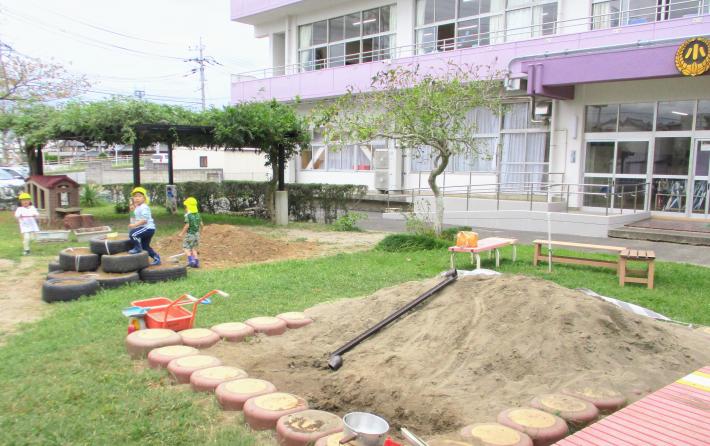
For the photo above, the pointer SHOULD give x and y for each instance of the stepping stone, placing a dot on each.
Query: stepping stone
(140, 342)
(233, 394)
(182, 368)
(494, 434)
(305, 427)
(199, 337)
(233, 331)
(605, 398)
(262, 412)
(161, 356)
(206, 380)
(295, 319)
(270, 326)
(543, 428)
(575, 411)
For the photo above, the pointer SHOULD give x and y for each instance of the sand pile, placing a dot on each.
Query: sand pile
(476, 348)
(226, 245)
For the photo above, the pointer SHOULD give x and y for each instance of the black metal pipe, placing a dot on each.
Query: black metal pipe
(335, 361)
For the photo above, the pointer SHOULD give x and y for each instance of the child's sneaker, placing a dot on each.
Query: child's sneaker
(135, 251)
(196, 263)
(26, 252)
(156, 261)
(190, 261)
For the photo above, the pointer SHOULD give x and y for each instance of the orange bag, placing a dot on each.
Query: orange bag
(467, 239)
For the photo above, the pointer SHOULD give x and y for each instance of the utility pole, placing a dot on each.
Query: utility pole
(201, 60)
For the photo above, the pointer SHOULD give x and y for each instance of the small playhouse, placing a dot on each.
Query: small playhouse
(55, 197)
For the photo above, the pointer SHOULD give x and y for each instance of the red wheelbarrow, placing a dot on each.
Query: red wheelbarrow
(161, 312)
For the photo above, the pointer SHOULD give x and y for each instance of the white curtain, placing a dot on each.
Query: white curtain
(536, 147)
(518, 25)
(486, 120)
(497, 29)
(513, 162)
(305, 33)
(601, 13)
(421, 7)
(421, 159)
(342, 159)
(515, 116)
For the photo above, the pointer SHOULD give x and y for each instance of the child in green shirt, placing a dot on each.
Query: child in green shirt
(191, 232)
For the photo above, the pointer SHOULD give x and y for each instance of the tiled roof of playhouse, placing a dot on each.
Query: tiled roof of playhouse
(49, 181)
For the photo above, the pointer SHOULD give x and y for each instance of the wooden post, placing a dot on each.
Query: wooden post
(40, 161)
(136, 164)
(170, 164)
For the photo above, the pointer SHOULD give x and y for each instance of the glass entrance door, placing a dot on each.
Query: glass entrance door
(701, 185)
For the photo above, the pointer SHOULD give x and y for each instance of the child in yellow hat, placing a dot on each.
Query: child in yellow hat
(191, 232)
(26, 215)
(143, 228)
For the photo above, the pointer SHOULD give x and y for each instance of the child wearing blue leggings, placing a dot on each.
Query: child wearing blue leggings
(142, 230)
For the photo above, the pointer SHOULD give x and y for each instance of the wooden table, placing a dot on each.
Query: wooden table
(639, 275)
(613, 264)
(489, 244)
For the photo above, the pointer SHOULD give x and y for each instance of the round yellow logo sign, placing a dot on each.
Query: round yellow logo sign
(692, 58)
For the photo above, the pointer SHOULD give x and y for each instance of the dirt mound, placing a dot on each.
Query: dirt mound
(226, 245)
(474, 349)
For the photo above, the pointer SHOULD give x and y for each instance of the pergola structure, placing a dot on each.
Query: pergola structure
(167, 133)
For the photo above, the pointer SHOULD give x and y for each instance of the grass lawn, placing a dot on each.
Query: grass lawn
(67, 379)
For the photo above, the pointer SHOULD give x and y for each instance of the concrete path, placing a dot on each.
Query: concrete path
(698, 255)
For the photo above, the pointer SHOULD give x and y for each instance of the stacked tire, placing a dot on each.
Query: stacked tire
(106, 263)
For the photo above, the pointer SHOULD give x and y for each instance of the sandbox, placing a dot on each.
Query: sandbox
(473, 350)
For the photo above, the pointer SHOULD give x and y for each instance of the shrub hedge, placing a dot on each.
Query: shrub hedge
(306, 202)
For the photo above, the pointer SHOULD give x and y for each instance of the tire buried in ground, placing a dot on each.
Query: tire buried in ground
(124, 262)
(105, 280)
(573, 410)
(54, 266)
(199, 337)
(334, 440)
(114, 245)
(78, 259)
(295, 319)
(233, 394)
(270, 326)
(543, 428)
(61, 290)
(161, 273)
(140, 342)
(161, 356)
(233, 331)
(305, 427)
(604, 398)
(206, 380)
(262, 412)
(182, 368)
(494, 434)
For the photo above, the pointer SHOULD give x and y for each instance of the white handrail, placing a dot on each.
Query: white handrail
(591, 22)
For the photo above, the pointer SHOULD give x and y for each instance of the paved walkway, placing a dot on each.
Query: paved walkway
(699, 255)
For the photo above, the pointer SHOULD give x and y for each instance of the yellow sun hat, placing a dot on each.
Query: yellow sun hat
(142, 191)
(191, 205)
(24, 196)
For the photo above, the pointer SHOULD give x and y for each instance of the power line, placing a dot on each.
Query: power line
(100, 28)
(83, 39)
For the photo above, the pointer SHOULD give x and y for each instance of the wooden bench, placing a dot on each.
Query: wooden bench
(639, 275)
(613, 264)
(489, 244)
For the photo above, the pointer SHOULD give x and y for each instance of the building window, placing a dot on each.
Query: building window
(203, 161)
(443, 25)
(346, 40)
(675, 116)
(613, 13)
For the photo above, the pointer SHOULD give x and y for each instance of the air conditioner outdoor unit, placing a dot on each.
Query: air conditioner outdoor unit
(543, 109)
(381, 180)
(517, 84)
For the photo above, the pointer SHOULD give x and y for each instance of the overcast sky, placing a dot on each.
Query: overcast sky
(127, 45)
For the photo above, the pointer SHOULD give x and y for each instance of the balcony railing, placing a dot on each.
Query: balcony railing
(601, 20)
